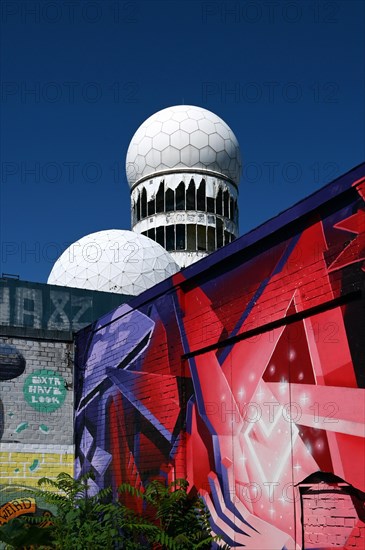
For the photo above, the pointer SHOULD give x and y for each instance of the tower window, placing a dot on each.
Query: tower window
(202, 234)
(151, 233)
(218, 206)
(160, 236)
(190, 196)
(191, 234)
(210, 204)
(138, 208)
(226, 204)
(211, 239)
(170, 237)
(169, 196)
(180, 196)
(219, 233)
(151, 207)
(200, 194)
(144, 204)
(160, 202)
(231, 209)
(180, 237)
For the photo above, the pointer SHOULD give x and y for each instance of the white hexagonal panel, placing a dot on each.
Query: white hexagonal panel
(170, 156)
(153, 158)
(170, 126)
(117, 261)
(153, 129)
(223, 159)
(222, 130)
(196, 113)
(216, 142)
(207, 155)
(189, 155)
(172, 131)
(206, 126)
(140, 162)
(189, 125)
(161, 141)
(199, 139)
(179, 139)
(145, 146)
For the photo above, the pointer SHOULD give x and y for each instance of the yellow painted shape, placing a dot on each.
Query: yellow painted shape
(49, 465)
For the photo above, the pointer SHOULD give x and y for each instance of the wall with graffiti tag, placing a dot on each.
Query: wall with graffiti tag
(245, 374)
(36, 376)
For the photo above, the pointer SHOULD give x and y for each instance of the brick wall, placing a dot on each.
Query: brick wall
(37, 411)
(331, 521)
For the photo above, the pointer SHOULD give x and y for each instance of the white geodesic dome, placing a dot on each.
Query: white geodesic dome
(113, 261)
(183, 136)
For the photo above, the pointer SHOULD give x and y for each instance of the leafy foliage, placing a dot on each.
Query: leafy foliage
(91, 522)
(183, 521)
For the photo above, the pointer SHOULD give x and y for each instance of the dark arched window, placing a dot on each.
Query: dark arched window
(211, 239)
(226, 204)
(219, 233)
(180, 196)
(202, 237)
(191, 237)
(170, 237)
(138, 208)
(180, 236)
(219, 200)
(200, 195)
(151, 207)
(231, 209)
(169, 198)
(210, 204)
(151, 233)
(190, 196)
(160, 235)
(144, 203)
(160, 198)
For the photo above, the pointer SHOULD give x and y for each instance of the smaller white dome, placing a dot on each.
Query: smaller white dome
(114, 260)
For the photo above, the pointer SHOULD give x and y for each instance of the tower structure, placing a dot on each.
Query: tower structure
(183, 167)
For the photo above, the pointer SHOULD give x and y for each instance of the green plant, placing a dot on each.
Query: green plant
(82, 521)
(183, 520)
(85, 521)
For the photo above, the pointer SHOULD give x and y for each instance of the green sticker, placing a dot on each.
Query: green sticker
(44, 390)
(43, 428)
(34, 465)
(22, 426)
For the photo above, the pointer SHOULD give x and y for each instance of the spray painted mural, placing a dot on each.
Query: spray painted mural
(36, 377)
(36, 407)
(247, 379)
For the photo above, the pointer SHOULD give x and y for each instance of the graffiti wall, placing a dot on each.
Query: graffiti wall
(36, 415)
(36, 376)
(246, 376)
(28, 308)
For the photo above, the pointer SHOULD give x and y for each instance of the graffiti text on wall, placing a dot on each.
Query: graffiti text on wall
(44, 390)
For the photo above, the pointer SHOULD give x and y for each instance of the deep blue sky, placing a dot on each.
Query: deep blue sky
(288, 77)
